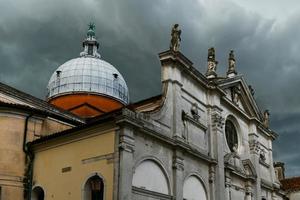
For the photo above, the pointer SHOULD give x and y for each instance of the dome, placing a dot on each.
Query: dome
(87, 86)
(88, 75)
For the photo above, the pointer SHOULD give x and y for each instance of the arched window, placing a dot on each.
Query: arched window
(231, 135)
(149, 176)
(193, 189)
(94, 188)
(38, 193)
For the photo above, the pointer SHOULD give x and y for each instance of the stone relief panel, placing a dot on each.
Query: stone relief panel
(194, 132)
(194, 121)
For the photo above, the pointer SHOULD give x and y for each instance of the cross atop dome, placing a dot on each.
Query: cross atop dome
(90, 44)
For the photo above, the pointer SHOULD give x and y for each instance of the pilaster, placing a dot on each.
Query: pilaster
(227, 186)
(217, 124)
(254, 153)
(249, 192)
(177, 110)
(126, 149)
(212, 182)
(178, 170)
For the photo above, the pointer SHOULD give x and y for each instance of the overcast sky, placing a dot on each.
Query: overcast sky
(37, 36)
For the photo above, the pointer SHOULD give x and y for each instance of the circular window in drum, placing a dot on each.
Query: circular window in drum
(231, 136)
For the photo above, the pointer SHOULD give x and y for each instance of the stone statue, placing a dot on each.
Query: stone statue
(262, 155)
(231, 61)
(266, 118)
(194, 111)
(236, 91)
(175, 38)
(211, 63)
(235, 148)
(231, 65)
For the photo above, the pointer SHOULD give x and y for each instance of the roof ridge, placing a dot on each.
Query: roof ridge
(39, 103)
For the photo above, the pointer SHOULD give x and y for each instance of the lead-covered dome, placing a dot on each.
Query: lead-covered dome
(88, 74)
(88, 86)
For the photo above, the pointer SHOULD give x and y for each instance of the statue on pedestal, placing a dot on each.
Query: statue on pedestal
(175, 38)
(266, 119)
(211, 63)
(231, 65)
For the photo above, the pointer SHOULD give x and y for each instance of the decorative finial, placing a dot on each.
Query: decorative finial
(211, 63)
(231, 65)
(90, 43)
(211, 56)
(91, 30)
(266, 119)
(175, 38)
(92, 26)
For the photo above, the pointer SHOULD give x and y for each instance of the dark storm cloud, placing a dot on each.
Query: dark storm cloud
(37, 36)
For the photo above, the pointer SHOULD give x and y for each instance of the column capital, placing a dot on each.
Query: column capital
(218, 121)
(178, 163)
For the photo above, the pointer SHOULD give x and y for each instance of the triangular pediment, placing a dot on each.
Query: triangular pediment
(240, 95)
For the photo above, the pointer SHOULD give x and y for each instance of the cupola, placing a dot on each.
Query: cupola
(88, 86)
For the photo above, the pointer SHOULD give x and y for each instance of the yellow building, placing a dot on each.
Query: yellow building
(76, 164)
(24, 118)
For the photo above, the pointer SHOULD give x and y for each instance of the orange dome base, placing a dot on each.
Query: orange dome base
(86, 105)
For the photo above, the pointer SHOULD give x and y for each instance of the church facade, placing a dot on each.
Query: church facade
(203, 138)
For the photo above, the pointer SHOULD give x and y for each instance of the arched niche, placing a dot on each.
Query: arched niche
(38, 193)
(149, 175)
(193, 189)
(94, 188)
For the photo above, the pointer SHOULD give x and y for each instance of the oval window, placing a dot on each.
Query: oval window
(231, 135)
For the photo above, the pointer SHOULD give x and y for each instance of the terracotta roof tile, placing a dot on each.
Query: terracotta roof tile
(291, 184)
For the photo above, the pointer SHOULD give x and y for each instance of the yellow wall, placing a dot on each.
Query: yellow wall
(49, 162)
(12, 158)
(50, 126)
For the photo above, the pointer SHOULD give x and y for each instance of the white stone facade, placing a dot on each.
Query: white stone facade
(177, 149)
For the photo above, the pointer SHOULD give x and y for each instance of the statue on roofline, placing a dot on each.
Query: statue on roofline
(266, 119)
(231, 72)
(175, 38)
(211, 63)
